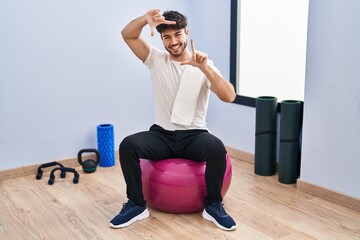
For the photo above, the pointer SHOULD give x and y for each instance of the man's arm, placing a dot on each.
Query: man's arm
(132, 31)
(131, 35)
(222, 88)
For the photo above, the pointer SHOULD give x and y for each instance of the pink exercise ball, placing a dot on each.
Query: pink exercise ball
(177, 185)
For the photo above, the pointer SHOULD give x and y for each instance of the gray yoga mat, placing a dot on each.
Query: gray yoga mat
(265, 135)
(289, 150)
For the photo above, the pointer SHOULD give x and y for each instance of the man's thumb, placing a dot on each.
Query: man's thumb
(152, 31)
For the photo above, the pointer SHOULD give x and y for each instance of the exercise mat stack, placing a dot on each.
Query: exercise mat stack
(289, 149)
(265, 135)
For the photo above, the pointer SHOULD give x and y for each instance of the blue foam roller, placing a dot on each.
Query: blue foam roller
(105, 143)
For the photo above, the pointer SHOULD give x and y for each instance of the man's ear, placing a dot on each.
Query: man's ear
(186, 31)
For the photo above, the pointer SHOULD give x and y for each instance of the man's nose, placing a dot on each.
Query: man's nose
(173, 40)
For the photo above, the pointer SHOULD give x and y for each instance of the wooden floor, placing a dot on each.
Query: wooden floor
(262, 207)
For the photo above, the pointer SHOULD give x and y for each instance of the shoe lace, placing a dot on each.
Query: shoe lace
(127, 207)
(219, 207)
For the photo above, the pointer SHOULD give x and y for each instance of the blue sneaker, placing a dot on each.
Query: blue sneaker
(129, 213)
(215, 213)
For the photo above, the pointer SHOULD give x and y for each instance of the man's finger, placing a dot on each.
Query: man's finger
(192, 45)
(169, 22)
(185, 63)
(152, 30)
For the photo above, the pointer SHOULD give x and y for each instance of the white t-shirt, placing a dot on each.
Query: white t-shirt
(166, 76)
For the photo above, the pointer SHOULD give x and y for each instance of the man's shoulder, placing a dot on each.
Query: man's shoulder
(156, 57)
(158, 52)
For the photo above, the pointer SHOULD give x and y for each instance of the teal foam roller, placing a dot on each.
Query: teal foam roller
(105, 143)
(265, 135)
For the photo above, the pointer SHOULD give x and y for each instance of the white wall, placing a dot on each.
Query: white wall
(64, 69)
(330, 156)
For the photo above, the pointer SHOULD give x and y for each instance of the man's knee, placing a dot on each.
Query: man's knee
(215, 147)
(127, 146)
(125, 143)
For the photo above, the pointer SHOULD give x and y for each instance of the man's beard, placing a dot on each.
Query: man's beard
(182, 47)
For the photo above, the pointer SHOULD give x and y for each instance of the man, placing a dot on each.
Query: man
(182, 80)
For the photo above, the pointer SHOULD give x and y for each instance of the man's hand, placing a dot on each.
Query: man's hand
(198, 59)
(155, 18)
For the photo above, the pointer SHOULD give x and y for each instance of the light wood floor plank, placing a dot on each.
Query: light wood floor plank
(262, 207)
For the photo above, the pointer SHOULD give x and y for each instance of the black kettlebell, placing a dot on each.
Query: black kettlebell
(89, 165)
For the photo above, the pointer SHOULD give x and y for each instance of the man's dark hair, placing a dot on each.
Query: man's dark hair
(180, 19)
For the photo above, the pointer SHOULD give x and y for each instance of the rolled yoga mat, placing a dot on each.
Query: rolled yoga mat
(289, 151)
(265, 135)
(105, 142)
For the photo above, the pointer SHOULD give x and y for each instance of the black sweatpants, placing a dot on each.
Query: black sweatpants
(157, 144)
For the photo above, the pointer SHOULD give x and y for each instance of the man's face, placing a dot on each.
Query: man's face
(175, 41)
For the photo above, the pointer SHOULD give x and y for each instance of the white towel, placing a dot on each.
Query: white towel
(185, 102)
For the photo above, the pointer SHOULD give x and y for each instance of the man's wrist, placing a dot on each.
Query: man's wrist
(206, 68)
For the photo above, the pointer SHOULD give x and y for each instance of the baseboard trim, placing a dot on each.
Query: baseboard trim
(32, 169)
(329, 195)
(318, 191)
(241, 155)
(73, 162)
